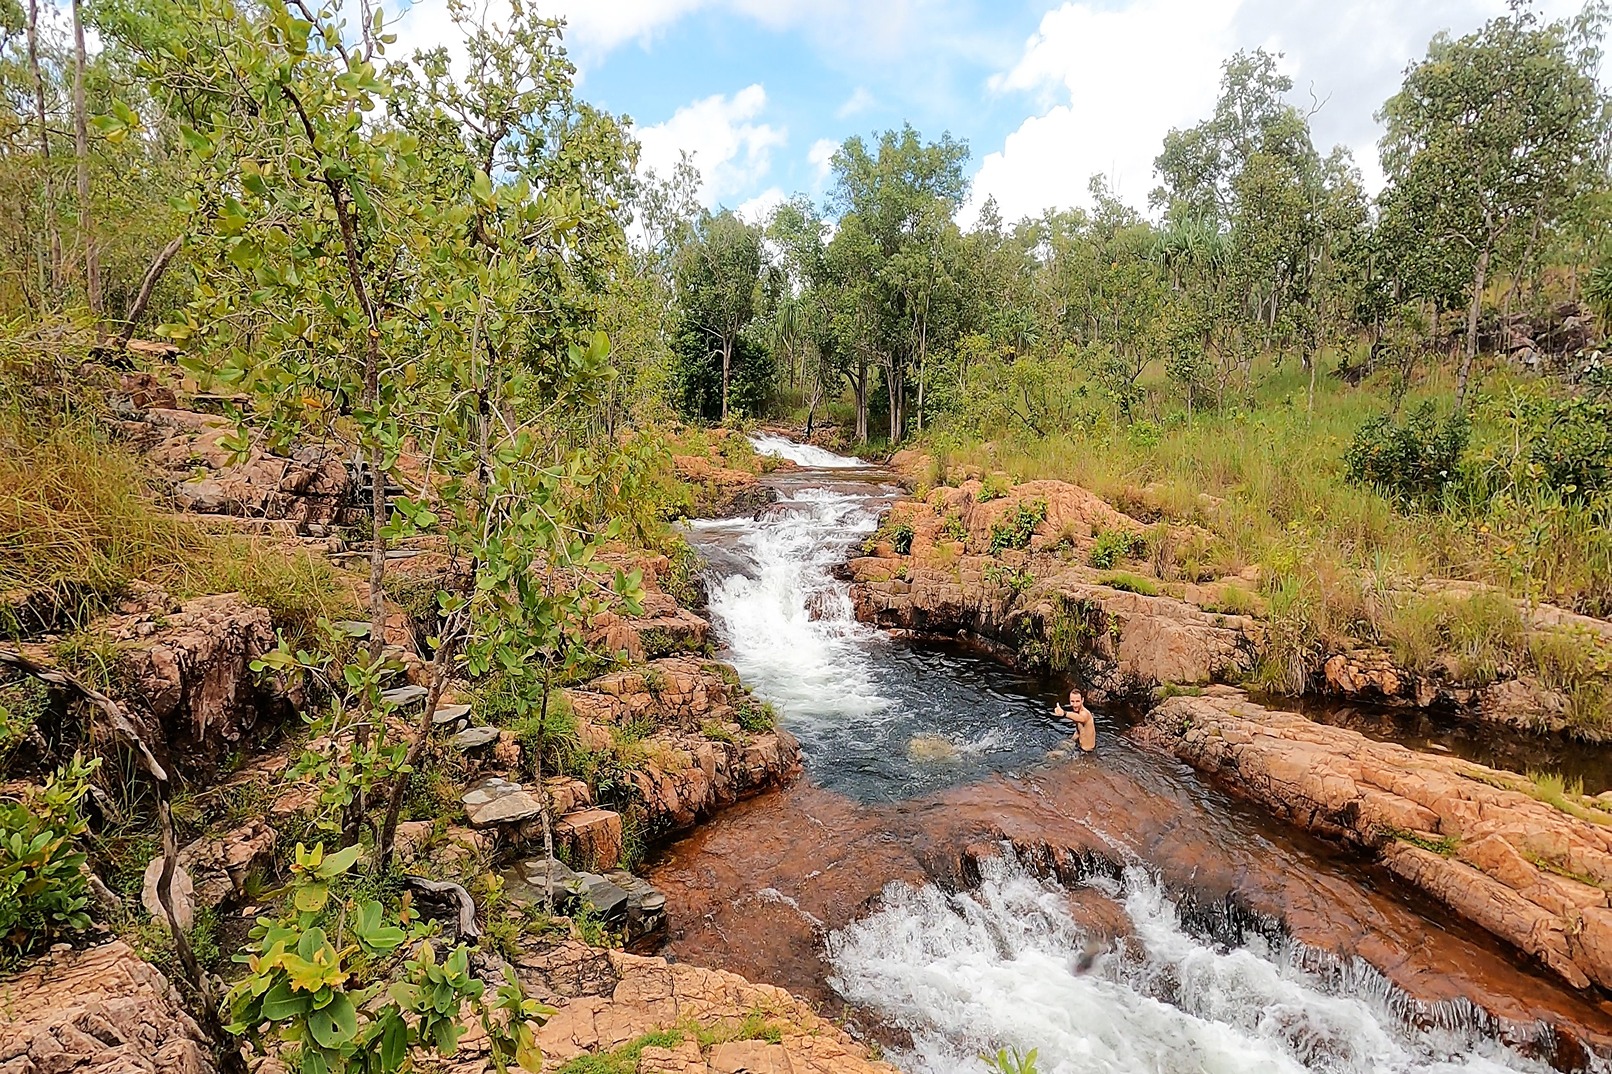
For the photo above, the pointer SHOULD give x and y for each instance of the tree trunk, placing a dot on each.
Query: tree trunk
(159, 265)
(44, 148)
(727, 363)
(81, 152)
(859, 385)
(1480, 276)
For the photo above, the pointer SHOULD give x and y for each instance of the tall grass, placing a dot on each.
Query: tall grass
(80, 516)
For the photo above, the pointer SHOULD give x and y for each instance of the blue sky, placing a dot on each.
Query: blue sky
(1045, 93)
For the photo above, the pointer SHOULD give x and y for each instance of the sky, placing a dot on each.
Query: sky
(1045, 94)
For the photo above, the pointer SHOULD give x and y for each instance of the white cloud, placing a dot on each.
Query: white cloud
(821, 157)
(732, 151)
(860, 100)
(1111, 82)
(756, 210)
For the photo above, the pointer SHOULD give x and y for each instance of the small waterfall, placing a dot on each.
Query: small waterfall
(788, 623)
(802, 454)
(1007, 965)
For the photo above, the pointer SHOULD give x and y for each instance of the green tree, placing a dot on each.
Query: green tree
(718, 274)
(1488, 141)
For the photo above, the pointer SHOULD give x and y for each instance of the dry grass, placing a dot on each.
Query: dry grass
(79, 515)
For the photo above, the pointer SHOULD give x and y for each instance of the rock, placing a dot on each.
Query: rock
(220, 865)
(311, 488)
(182, 892)
(403, 697)
(99, 1011)
(474, 738)
(538, 880)
(646, 906)
(593, 837)
(187, 676)
(606, 900)
(644, 995)
(496, 800)
(1534, 875)
(451, 716)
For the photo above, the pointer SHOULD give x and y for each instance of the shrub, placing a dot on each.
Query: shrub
(1574, 450)
(1114, 545)
(1014, 529)
(901, 538)
(994, 487)
(1004, 577)
(43, 889)
(1410, 463)
(952, 528)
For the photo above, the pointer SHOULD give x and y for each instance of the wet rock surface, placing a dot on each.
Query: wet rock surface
(757, 889)
(99, 1011)
(1534, 873)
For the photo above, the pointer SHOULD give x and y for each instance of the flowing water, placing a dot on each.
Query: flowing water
(1189, 933)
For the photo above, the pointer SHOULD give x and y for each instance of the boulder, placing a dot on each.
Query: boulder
(592, 836)
(496, 800)
(472, 739)
(221, 864)
(187, 678)
(98, 1011)
(182, 893)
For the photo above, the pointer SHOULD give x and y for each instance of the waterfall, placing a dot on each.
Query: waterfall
(1007, 965)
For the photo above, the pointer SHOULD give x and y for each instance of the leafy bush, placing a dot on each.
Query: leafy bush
(1574, 450)
(1015, 581)
(901, 538)
(43, 890)
(1114, 545)
(952, 528)
(994, 487)
(303, 981)
(1013, 530)
(1410, 463)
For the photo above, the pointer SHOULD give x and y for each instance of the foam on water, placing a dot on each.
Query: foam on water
(790, 625)
(802, 454)
(998, 967)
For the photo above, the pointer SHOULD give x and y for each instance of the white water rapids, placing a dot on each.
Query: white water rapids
(1009, 964)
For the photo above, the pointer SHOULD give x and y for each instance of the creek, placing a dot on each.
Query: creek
(956, 878)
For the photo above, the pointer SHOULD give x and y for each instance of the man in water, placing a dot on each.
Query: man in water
(1082, 716)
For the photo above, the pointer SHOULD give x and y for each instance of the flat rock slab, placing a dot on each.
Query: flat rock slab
(450, 715)
(496, 800)
(474, 738)
(404, 696)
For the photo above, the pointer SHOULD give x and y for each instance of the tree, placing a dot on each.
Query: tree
(718, 277)
(896, 205)
(1488, 141)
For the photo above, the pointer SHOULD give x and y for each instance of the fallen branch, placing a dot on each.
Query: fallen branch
(468, 929)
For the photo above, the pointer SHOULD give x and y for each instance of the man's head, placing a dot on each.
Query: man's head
(1075, 698)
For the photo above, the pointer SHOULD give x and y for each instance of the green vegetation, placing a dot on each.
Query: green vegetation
(1130, 583)
(1112, 546)
(622, 1060)
(1014, 529)
(43, 890)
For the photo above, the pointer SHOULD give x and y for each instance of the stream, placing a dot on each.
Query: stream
(955, 878)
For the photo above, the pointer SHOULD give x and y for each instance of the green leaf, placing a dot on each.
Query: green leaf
(311, 897)
(335, 1024)
(395, 1042)
(281, 1002)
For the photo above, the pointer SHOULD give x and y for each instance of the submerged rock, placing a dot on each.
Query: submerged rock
(930, 747)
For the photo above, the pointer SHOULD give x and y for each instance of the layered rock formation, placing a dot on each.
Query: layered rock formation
(99, 1011)
(185, 674)
(1530, 864)
(309, 492)
(689, 715)
(650, 995)
(961, 573)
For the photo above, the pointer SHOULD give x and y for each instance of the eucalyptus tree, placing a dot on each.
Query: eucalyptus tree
(1489, 140)
(896, 204)
(718, 274)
